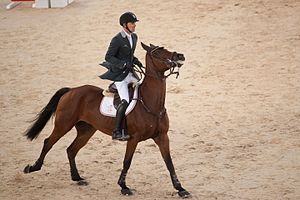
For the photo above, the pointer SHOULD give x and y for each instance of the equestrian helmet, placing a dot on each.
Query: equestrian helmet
(128, 17)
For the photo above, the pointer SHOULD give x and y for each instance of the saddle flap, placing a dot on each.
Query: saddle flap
(107, 107)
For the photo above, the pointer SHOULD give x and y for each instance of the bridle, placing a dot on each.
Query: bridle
(174, 65)
(142, 69)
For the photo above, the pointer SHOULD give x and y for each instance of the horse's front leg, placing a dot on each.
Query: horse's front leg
(163, 143)
(131, 146)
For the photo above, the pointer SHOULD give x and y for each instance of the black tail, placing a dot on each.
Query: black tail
(44, 115)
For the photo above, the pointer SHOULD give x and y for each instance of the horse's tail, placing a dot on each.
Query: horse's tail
(44, 115)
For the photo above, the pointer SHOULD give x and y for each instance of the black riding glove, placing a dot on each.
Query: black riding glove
(128, 65)
(125, 65)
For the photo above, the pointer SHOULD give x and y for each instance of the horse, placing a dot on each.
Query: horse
(79, 107)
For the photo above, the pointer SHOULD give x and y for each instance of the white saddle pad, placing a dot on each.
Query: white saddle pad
(107, 105)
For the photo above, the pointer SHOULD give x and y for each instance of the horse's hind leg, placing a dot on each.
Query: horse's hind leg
(58, 131)
(84, 132)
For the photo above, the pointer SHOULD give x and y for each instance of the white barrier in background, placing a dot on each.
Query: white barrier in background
(59, 3)
(42, 3)
(51, 3)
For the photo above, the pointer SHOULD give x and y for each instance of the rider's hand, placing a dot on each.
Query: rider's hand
(128, 65)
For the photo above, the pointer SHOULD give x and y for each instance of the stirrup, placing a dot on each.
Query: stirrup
(121, 137)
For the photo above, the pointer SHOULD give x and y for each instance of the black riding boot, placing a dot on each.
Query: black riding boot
(118, 133)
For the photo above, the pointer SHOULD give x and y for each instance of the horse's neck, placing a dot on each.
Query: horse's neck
(153, 93)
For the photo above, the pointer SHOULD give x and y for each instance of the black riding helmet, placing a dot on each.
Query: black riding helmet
(128, 17)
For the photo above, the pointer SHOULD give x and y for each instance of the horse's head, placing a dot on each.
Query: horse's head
(163, 59)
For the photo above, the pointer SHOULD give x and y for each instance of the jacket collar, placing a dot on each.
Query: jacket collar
(123, 34)
(125, 39)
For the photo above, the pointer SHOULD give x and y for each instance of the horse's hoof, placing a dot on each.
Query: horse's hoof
(184, 194)
(27, 169)
(82, 182)
(77, 178)
(126, 192)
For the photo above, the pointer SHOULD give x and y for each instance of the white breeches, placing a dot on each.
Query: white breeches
(122, 86)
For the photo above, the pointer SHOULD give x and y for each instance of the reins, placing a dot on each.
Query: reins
(159, 115)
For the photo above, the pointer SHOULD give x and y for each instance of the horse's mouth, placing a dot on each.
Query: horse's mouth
(179, 59)
(179, 63)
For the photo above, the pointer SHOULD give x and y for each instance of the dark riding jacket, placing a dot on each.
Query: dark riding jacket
(120, 58)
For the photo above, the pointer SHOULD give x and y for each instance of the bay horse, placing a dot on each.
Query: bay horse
(79, 107)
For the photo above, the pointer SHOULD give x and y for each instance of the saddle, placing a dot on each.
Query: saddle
(113, 92)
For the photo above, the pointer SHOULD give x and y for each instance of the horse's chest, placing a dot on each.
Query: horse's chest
(156, 126)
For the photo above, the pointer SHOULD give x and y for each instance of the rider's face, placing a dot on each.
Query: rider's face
(131, 26)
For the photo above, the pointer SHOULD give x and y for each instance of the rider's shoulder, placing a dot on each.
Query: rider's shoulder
(116, 39)
(118, 36)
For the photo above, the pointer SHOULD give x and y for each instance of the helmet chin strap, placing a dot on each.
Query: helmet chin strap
(128, 29)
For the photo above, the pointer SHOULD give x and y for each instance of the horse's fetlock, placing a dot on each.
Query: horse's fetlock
(121, 180)
(46, 141)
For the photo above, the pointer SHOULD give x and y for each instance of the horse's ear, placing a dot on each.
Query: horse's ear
(152, 46)
(147, 48)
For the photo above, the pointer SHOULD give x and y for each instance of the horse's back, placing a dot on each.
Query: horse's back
(78, 96)
(88, 89)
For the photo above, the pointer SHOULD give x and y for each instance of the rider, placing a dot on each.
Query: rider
(119, 62)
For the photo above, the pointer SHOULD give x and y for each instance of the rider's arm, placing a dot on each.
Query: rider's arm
(112, 52)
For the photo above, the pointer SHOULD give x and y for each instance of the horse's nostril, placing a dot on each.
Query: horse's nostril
(181, 57)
